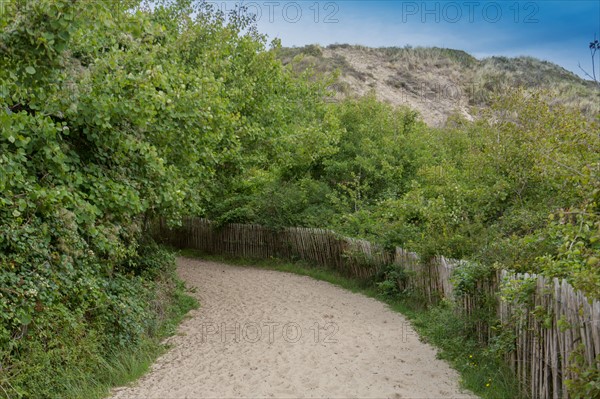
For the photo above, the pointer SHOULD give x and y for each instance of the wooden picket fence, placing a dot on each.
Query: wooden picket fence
(556, 321)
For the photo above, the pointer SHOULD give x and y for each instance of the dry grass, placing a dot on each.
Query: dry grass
(441, 82)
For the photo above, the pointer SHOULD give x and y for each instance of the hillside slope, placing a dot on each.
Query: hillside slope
(440, 82)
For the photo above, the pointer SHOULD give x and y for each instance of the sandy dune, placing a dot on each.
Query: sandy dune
(263, 333)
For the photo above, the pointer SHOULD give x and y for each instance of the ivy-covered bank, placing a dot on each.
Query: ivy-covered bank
(83, 335)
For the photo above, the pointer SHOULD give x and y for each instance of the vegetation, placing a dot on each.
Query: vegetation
(115, 113)
(445, 74)
(518, 188)
(112, 114)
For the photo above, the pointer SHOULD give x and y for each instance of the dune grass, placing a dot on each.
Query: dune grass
(480, 80)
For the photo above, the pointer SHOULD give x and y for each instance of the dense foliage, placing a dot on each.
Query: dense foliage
(517, 189)
(112, 114)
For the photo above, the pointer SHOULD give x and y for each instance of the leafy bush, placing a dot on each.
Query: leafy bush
(586, 383)
(112, 114)
(393, 282)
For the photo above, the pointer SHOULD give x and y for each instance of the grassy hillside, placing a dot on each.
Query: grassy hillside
(439, 82)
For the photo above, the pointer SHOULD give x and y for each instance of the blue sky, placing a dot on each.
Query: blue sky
(557, 31)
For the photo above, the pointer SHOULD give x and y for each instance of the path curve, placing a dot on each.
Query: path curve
(262, 333)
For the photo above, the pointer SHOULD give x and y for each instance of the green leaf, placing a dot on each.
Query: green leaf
(25, 319)
(30, 70)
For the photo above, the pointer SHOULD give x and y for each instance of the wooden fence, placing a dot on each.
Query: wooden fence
(555, 322)
(351, 257)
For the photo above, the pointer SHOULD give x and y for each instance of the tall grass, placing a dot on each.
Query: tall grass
(118, 368)
(85, 366)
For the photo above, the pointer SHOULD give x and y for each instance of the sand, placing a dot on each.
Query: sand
(436, 92)
(262, 333)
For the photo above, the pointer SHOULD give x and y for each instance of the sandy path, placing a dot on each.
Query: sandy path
(262, 333)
